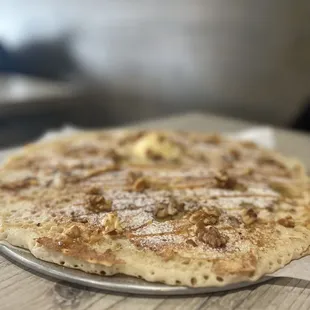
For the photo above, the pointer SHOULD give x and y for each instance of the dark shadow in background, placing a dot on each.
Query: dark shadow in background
(303, 120)
(49, 59)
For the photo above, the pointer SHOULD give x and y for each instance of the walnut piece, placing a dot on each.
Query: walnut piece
(73, 232)
(137, 181)
(225, 181)
(93, 190)
(140, 185)
(133, 176)
(205, 216)
(287, 222)
(151, 154)
(212, 237)
(167, 210)
(113, 155)
(111, 223)
(249, 144)
(97, 203)
(249, 216)
(191, 242)
(213, 139)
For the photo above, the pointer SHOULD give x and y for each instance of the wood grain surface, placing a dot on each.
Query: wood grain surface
(22, 289)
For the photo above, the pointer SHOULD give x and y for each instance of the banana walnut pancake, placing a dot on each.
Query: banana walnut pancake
(174, 207)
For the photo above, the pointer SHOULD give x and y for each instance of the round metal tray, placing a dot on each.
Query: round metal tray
(118, 284)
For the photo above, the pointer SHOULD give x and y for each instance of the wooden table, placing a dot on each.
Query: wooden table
(21, 289)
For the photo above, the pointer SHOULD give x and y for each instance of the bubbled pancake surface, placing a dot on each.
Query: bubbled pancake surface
(175, 207)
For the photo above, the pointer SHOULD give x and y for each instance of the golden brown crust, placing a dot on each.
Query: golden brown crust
(75, 249)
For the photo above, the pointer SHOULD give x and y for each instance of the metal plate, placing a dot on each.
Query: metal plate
(119, 284)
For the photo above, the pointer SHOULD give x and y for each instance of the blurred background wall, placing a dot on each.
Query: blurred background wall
(142, 58)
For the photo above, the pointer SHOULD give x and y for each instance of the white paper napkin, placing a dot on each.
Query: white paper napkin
(263, 136)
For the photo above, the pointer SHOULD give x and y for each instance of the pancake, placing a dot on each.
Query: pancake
(179, 208)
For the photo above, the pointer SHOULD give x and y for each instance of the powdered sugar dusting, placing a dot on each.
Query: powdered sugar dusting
(155, 228)
(125, 200)
(238, 202)
(133, 219)
(159, 242)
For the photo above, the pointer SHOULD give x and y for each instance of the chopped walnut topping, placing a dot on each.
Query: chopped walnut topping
(93, 190)
(212, 237)
(133, 176)
(221, 179)
(227, 182)
(97, 203)
(73, 232)
(166, 210)
(249, 216)
(140, 185)
(249, 144)
(137, 181)
(287, 222)
(191, 242)
(213, 139)
(116, 157)
(111, 223)
(205, 216)
(270, 209)
(151, 154)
